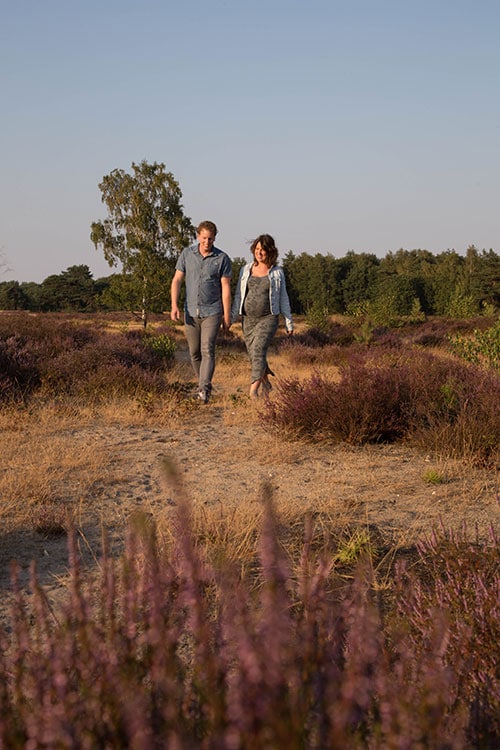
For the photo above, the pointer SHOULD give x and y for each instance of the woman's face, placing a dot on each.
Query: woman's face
(260, 254)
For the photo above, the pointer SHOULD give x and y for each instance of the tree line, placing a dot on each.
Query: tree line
(400, 284)
(146, 229)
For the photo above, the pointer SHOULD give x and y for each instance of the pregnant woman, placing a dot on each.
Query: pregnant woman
(260, 298)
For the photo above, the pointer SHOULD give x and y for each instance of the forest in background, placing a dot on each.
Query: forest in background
(406, 283)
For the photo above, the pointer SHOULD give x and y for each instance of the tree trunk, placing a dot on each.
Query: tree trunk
(144, 314)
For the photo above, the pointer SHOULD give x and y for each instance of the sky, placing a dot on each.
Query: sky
(335, 126)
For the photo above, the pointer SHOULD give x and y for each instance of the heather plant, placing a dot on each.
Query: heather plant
(319, 346)
(164, 649)
(385, 395)
(456, 410)
(458, 580)
(300, 354)
(19, 374)
(380, 336)
(228, 343)
(435, 331)
(335, 334)
(367, 405)
(113, 365)
(61, 358)
(369, 333)
(312, 337)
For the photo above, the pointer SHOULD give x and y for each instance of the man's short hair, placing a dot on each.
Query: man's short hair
(209, 226)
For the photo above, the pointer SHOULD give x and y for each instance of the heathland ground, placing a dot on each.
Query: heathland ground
(103, 465)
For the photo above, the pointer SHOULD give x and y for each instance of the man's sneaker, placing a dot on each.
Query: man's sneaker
(202, 396)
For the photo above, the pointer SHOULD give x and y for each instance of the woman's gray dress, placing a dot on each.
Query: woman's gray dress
(258, 324)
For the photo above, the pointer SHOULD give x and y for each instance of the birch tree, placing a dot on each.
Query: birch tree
(145, 229)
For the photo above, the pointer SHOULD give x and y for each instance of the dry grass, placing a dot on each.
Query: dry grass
(47, 458)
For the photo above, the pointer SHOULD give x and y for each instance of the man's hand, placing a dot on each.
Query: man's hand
(226, 302)
(175, 313)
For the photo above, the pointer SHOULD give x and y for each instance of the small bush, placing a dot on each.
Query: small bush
(69, 359)
(456, 410)
(313, 337)
(301, 354)
(19, 374)
(384, 396)
(317, 317)
(483, 347)
(432, 476)
(228, 343)
(162, 345)
(369, 404)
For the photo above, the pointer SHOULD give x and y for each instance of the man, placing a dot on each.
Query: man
(207, 273)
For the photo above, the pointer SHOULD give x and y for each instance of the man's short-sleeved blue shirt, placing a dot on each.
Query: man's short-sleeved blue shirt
(203, 280)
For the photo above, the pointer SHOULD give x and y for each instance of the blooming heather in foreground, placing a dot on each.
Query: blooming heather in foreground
(164, 651)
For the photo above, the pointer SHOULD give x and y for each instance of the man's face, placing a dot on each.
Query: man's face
(206, 241)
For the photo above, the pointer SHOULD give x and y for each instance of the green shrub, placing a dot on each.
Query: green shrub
(162, 345)
(432, 476)
(318, 317)
(483, 347)
(461, 305)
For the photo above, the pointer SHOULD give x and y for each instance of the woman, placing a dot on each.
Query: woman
(260, 298)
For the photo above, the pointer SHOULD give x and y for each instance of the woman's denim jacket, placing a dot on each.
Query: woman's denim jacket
(278, 296)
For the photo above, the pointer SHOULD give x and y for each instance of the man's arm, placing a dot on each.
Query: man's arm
(226, 301)
(175, 291)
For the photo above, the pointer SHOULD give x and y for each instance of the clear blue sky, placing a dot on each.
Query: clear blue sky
(364, 125)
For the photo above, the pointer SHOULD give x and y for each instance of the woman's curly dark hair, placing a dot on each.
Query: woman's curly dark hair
(267, 244)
